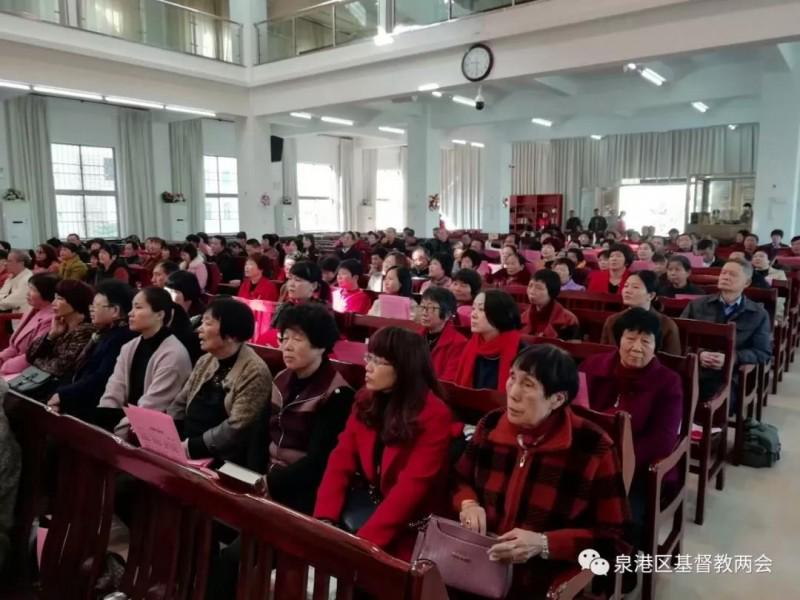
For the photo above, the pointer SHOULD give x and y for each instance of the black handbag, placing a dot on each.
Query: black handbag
(362, 497)
(33, 382)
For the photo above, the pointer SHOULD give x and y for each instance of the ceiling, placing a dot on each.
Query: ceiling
(728, 80)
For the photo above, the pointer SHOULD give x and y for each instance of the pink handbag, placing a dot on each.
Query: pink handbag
(462, 559)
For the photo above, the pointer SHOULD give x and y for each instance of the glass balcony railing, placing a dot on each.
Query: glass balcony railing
(158, 23)
(337, 22)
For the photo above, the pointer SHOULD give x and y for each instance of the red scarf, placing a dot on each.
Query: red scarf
(539, 319)
(504, 345)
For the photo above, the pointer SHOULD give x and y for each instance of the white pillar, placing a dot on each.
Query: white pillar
(778, 165)
(496, 184)
(255, 177)
(424, 175)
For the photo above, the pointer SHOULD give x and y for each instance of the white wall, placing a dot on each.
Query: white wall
(318, 149)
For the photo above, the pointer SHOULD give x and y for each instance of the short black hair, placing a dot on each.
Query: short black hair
(776, 232)
(45, 284)
(705, 245)
(471, 278)
(70, 246)
(168, 267)
(190, 249)
(682, 261)
(553, 367)
(192, 238)
(381, 252)
(659, 257)
(404, 277)
(242, 235)
(186, 283)
(578, 254)
(221, 238)
(235, 318)
(638, 320)
(203, 236)
(314, 320)
(6, 246)
(625, 250)
(473, 255)
(567, 263)
(352, 265)
(501, 310)
(444, 298)
(751, 235)
(444, 259)
(550, 279)
(329, 263)
(648, 278)
(252, 242)
(118, 294)
(796, 239)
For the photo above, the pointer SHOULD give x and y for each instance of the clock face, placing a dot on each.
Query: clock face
(477, 62)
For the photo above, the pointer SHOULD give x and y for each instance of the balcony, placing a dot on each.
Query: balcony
(337, 22)
(157, 23)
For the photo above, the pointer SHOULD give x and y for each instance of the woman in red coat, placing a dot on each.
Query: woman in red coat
(397, 437)
(611, 281)
(514, 272)
(437, 310)
(256, 284)
(546, 316)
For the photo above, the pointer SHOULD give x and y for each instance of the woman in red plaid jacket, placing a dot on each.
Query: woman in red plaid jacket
(547, 481)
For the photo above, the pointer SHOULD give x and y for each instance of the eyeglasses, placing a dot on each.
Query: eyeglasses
(377, 361)
(429, 308)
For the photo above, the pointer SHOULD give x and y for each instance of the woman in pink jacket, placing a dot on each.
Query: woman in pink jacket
(34, 324)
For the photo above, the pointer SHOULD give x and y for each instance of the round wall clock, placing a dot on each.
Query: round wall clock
(477, 62)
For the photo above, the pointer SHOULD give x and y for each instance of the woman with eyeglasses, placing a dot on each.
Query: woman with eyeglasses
(437, 310)
(397, 438)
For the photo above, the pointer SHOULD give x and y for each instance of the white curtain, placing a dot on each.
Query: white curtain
(369, 185)
(289, 167)
(348, 206)
(462, 195)
(119, 18)
(186, 150)
(137, 188)
(566, 166)
(31, 163)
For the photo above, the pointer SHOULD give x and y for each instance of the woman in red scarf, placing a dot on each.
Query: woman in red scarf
(620, 258)
(495, 341)
(547, 317)
(514, 272)
(256, 284)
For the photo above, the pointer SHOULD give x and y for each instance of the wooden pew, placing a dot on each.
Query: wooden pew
(273, 357)
(592, 301)
(171, 530)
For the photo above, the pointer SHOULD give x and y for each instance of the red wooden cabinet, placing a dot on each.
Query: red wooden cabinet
(526, 212)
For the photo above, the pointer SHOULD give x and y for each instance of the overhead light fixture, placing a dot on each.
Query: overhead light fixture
(465, 101)
(301, 115)
(134, 102)
(653, 77)
(396, 130)
(460, 142)
(542, 122)
(337, 121)
(630, 67)
(477, 145)
(428, 87)
(437, 94)
(700, 106)
(597, 137)
(383, 38)
(14, 85)
(732, 127)
(53, 91)
(191, 111)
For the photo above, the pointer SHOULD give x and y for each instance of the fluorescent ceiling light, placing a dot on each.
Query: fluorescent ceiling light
(133, 102)
(464, 100)
(337, 121)
(732, 127)
(191, 111)
(460, 142)
(45, 89)
(596, 137)
(437, 94)
(653, 77)
(701, 106)
(477, 145)
(631, 67)
(428, 87)
(396, 130)
(13, 85)
(542, 122)
(301, 115)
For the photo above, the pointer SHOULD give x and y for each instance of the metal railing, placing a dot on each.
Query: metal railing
(157, 23)
(333, 23)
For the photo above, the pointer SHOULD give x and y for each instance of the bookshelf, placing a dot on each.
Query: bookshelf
(525, 210)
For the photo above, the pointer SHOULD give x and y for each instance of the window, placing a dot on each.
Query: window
(662, 206)
(222, 195)
(85, 183)
(389, 205)
(316, 196)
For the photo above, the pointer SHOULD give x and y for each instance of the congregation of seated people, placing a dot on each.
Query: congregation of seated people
(174, 327)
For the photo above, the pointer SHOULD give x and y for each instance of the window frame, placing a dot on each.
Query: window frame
(333, 199)
(218, 196)
(83, 192)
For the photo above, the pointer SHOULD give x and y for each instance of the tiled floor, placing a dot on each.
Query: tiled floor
(757, 513)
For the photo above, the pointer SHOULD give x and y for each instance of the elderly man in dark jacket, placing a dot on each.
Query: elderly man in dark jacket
(753, 327)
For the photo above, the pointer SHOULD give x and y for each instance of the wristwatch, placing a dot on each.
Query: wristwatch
(545, 553)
